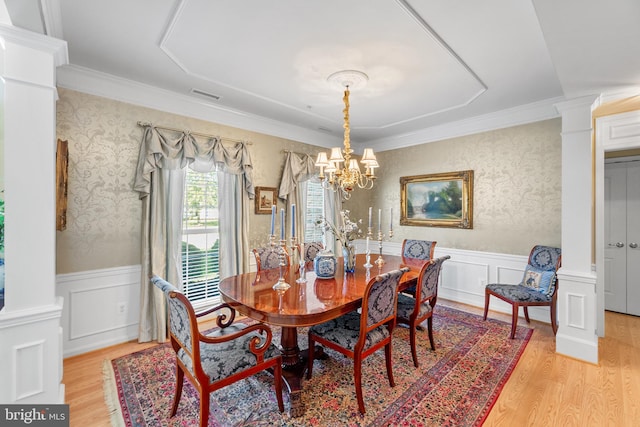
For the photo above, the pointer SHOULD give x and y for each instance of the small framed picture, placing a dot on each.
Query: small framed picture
(265, 198)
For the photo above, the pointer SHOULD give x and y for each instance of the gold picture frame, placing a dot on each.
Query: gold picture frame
(437, 200)
(265, 198)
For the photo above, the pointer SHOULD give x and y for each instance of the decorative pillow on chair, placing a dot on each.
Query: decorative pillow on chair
(539, 280)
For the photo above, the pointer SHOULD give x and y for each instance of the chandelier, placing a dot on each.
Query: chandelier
(339, 171)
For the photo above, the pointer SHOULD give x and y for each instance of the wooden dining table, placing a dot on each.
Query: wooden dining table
(304, 304)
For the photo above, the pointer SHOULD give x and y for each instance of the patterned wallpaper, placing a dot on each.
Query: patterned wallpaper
(104, 213)
(516, 200)
(517, 187)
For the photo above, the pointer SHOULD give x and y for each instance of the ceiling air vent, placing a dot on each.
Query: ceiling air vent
(206, 94)
(323, 129)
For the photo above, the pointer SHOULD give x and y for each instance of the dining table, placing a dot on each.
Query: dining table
(308, 303)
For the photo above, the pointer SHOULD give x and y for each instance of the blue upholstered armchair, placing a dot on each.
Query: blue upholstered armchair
(360, 335)
(539, 286)
(232, 353)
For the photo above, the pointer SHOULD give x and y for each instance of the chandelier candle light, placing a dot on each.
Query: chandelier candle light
(344, 178)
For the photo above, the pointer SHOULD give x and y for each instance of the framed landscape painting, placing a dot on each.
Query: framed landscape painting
(265, 198)
(437, 200)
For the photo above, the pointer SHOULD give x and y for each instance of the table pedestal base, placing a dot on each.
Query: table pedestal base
(294, 366)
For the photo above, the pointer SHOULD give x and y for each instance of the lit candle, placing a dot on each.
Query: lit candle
(379, 220)
(273, 219)
(369, 216)
(293, 220)
(390, 219)
(282, 224)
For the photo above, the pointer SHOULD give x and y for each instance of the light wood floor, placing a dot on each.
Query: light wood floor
(545, 389)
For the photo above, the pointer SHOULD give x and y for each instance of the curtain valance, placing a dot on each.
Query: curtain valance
(297, 168)
(176, 150)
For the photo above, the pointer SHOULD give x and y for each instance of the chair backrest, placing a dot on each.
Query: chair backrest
(183, 326)
(311, 249)
(540, 273)
(418, 249)
(379, 304)
(268, 257)
(428, 281)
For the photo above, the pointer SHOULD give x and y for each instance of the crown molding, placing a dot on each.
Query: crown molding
(523, 114)
(109, 86)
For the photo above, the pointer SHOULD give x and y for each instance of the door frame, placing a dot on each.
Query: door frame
(607, 139)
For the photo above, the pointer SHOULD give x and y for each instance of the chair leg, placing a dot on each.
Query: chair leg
(430, 330)
(554, 324)
(526, 313)
(486, 303)
(357, 377)
(412, 342)
(277, 376)
(514, 320)
(178, 393)
(389, 363)
(204, 408)
(310, 357)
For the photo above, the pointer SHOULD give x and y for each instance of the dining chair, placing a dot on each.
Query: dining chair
(358, 335)
(417, 249)
(311, 249)
(539, 287)
(268, 257)
(211, 362)
(412, 311)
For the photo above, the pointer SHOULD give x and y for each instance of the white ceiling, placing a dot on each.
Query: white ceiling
(430, 63)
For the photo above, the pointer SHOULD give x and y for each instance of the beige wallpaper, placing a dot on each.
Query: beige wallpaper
(517, 188)
(516, 198)
(103, 217)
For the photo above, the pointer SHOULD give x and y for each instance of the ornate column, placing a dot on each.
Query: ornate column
(577, 315)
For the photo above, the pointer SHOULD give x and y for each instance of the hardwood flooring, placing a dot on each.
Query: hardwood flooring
(545, 389)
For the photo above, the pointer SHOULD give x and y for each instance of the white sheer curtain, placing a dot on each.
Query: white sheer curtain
(160, 181)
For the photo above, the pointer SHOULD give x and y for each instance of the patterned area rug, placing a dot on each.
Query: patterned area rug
(456, 385)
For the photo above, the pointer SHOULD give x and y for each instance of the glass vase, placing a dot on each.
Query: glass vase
(349, 255)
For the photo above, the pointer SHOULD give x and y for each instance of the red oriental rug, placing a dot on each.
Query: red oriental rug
(456, 385)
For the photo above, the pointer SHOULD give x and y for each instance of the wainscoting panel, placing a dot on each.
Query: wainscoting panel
(28, 370)
(102, 308)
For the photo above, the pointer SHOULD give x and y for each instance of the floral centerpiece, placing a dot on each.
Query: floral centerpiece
(346, 231)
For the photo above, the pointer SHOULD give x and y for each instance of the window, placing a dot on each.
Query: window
(315, 210)
(200, 238)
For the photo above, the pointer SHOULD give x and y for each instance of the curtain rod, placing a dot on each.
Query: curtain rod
(204, 135)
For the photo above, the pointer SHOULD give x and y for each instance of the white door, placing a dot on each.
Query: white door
(622, 237)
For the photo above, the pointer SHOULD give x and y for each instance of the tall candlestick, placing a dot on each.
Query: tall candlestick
(273, 219)
(390, 219)
(379, 220)
(282, 224)
(293, 220)
(369, 216)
